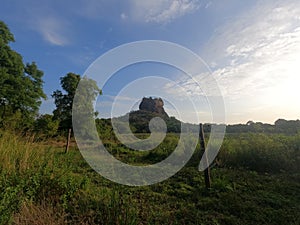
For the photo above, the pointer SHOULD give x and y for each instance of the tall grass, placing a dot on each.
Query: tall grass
(18, 154)
(24, 169)
(41, 185)
(261, 152)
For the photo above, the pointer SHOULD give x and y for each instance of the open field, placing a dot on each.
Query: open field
(256, 180)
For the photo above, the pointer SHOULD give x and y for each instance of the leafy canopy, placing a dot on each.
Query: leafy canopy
(21, 85)
(64, 101)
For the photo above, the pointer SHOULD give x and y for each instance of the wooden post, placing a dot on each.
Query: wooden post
(68, 140)
(207, 170)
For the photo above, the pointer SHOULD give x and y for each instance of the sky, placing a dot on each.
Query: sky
(250, 48)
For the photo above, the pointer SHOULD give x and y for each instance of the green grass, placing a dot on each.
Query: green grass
(40, 181)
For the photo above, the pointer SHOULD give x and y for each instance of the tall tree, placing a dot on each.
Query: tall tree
(64, 101)
(21, 85)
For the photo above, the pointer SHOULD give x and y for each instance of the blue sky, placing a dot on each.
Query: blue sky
(252, 49)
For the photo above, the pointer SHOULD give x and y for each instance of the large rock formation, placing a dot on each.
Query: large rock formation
(154, 105)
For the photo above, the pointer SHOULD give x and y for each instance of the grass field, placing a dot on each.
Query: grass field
(256, 180)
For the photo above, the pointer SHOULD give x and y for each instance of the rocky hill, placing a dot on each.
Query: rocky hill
(153, 105)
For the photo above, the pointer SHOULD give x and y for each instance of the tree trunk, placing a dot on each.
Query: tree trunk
(207, 170)
(68, 141)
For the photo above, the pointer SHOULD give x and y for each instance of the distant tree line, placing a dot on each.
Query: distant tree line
(139, 123)
(280, 126)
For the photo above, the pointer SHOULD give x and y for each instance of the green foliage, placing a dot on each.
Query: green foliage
(21, 85)
(46, 126)
(287, 126)
(139, 121)
(34, 83)
(174, 125)
(64, 101)
(104, 129)
(290, 127)
(5, 34)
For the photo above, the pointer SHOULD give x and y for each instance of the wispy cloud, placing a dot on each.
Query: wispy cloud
(161, 11)
(53, 30)
(260, 50)
(154, 11)
(256, 59)
(45, 18)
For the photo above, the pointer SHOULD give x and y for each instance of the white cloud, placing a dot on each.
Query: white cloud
(260, 50)
(256, 60)
(52, 30)
(161, 11)
(48, 18)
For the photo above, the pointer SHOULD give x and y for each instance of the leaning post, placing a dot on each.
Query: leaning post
(68, 141)
(202, 146)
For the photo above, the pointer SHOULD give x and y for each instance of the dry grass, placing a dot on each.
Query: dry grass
(41, 214)
(18, 154)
